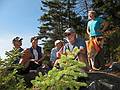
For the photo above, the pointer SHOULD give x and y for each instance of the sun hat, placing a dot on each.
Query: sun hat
(58, 41)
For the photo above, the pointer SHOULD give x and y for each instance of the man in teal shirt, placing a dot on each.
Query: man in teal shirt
(96, 25)
(95, 28)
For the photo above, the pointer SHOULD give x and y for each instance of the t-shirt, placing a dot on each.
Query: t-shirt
(71, 47)
(80, 43)
(53, 55)
(95, 25)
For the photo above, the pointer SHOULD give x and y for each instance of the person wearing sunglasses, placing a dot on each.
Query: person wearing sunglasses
(75, 41)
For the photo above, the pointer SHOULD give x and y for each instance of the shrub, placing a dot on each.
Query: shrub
(9, 78)
(63, 76)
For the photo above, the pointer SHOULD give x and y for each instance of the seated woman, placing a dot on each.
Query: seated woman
(55, 52)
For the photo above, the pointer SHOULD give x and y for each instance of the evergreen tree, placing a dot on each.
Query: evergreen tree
(9, 78)
(110, 8)
(58, 15)
(111, 12)
(64, 76)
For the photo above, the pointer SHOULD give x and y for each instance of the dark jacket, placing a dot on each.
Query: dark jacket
(39, 52)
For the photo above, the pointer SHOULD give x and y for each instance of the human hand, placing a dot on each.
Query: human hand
(100, 30)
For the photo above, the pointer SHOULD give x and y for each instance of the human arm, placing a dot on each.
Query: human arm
(105, 25)
(88, 31)
(41, 59)
(53, 55)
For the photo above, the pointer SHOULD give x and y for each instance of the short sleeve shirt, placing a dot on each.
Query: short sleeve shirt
(80, 43)
(53, 55)
(95, 25)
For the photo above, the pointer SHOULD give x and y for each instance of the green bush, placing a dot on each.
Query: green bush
(114, 44)
(9, 78)
(63, 76)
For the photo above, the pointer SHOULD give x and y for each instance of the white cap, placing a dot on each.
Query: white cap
(58, 41)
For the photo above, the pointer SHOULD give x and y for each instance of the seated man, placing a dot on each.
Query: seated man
(17, 42)
(37, 55)
(74, 41)
(32, 57)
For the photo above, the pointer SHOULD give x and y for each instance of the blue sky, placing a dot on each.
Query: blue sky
(18, 18)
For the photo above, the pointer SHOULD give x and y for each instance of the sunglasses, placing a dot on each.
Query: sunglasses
(67, 34)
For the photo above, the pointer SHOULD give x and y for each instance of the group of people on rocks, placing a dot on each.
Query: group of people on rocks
(32, 57)
(88, 50)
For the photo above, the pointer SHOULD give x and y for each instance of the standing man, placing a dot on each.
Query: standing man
(17, 43)
(96, 25)
(95, 28)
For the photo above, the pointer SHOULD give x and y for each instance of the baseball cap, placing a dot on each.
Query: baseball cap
(70, 30)
(17, 39)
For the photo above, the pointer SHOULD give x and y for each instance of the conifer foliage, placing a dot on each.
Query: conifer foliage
(63, 76)
(58, 16)
(9, 78)
(109, 8)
